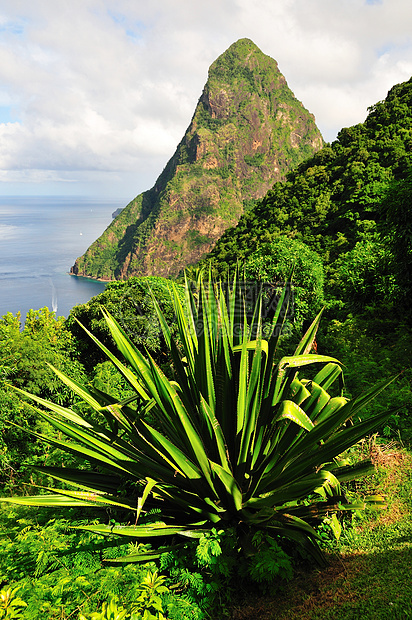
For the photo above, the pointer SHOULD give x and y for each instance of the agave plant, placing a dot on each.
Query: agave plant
(238, 438)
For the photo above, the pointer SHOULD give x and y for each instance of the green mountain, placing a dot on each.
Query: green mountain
(350, 202)
(247, 132)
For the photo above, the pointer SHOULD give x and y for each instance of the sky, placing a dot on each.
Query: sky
(95, 95)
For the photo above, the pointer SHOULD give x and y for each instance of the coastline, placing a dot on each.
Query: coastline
(75, 275)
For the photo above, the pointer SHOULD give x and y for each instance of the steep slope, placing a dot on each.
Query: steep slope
(349, 203)
(247, 131)
(332, 197)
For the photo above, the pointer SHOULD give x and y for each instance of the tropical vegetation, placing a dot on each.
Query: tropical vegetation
(198, 446)
(235, 443)
(237, 439)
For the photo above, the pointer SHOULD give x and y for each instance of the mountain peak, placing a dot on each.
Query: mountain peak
(242, 45)
(238, 51)
(247, 132)
(241, 55)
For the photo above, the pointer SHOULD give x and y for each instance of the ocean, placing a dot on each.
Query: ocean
(40, 238)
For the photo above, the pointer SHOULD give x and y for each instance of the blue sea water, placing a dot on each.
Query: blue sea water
(40, 238)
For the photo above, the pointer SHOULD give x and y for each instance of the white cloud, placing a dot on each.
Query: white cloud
(109, 86)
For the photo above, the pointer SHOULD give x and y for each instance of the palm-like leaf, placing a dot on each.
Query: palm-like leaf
(238, 438)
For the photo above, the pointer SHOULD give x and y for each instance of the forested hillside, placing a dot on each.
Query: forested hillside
(350, 203)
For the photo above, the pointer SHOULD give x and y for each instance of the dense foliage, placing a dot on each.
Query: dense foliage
(350, 203)
(239, 439)
(131, 304)
(25, 355)
(152, 426)
(272, 262)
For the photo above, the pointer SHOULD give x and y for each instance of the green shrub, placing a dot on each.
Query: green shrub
(273, 262)
(147, 606)
(11, 606)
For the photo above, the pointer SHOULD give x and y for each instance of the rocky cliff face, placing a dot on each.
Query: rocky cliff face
(247, 132)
